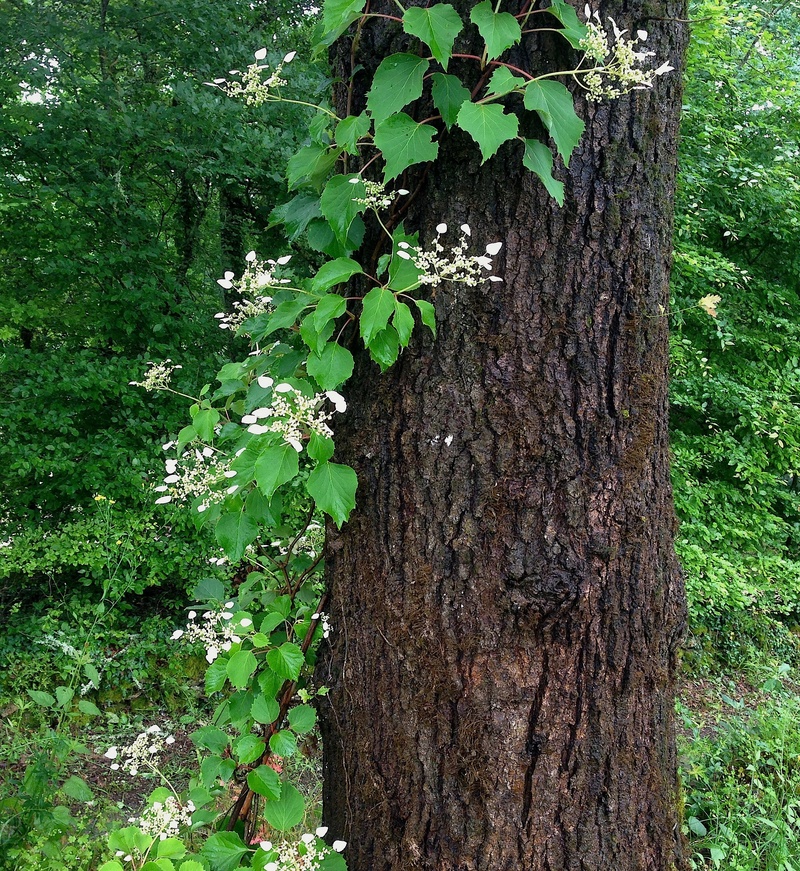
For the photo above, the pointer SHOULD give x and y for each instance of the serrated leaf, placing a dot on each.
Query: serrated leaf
(339, 203)
(170, 848)
(314, 339)
(385, 347)
(320, 447)
(209, 590)
(500, 30)
(574, 29)
(287, 660)
(302, 719)
(224, 850)
(334, 272)
(488, 125)
(287, 811)
(503, 81)
(378, 306)
(64, 695)
(89, 708)
(77, 788)
(191, 865)
(539, 159)
(204, 422)
(296, 215)
(448, 96)
(330, 306)
(403, 142)
(210, 738)
(240, 666)
(265, 709)
(350, 129)
(427, 313)
(332, 367)
(275, 466)
(286, 314)
(311, 165)
(113, 865)
(333, 488)
(437, 26)
(213, 767)
(283, 743)
(234, 532)
(554, 105)
(396, 83)
(403, 322)
(337, 16)
(403, 273)
(42, 698)
(265, 781)
(248, 748)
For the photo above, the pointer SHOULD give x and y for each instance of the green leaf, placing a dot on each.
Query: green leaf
(333, 862)
(283, 743)
(539, 159)
(265, 781)
(448, 97)
(213, 767)
(192, 865)
(224, 850)
(500, 30)
(89, 708)
(332, 367)
(488, 125)
(216, 675)
(170, 848)
(265, 709)
(234, 532)
(311, 165)
(385, 347)
(349, 130)
(204, 422)
(574, 29)
(337, 16)
(697, 827)
(113, 865)
(210, 738)
(315, 340)
(334, 272)
(296, 215)
(437, 26)
(554, 105)
(333, 488)
(93, 674)
(302, 719)
(77, 788)
(287, 660)
(42, 698)
(209, 590)
(274, 467)
(403, 322)
(320, 447)
(428, 314)
(286, 313)
(240, 666)
(403, 273)
(503, 81)
(330, 306)
(263, 510)
(64, 696)
(339, 203)
(287, 811)
(403, 142)
(396, 83)
(248, 748)
(158, 865)
(379, 304)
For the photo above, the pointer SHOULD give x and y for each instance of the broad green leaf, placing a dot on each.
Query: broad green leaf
(240, 666)
(113, 865)
(314, 339)
(287, 811)
(192, 865)
(500, 30)
(334, 272)
(248, 748)
(574, 29)
(204, 422)
(42, 698)
(89, 708)
(263, 510)
(349, 130)
(332, 367)
(274, 467)
(554, 105)
(128, 839)
(311, 165)
(213, 768)
(224, 850)
(64, 695)
(339, 203)
(403, 322)
(488, 125)
(265, 709)
(234, 532)
(210, 738)
(287, 660)
(185, 436)
(158, 865)
(170, 848)
(216, 675)
(539, 159)
(333, 488)
(320, 447)
(403, 273)
(333, 862)
(378, 308)
(385, 347)
(330, 306)
(209, 590)
(296, 215)
(77, 788)
(283, 743)
(265, 781)
(403, 142)
(428, 314)
(448, 97)
(697, 827)
(337, 16)
(239, 706)
(92, 673)
(437, 26)
(302, 719)
(503, 81)
(272, 621)
(286, 313)
(396, 83)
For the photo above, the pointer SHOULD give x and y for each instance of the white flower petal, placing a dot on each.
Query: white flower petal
(338, 400)
(664, 68)
(321, 831)
(266, 845)
(261, 54)
(307, 838)
(466, 230)
(401, 192)
(176, 634)
(250, 256)
(249, 418)
(111, 753)
(265, 381)
(441, 228)
(403, 255)
(294, 443)
(284, 388)
(289, 57)
(163, 500)
(257, 429)
(493, 248)
(223, 282)
(282, 261)
(338, 846)
(642, 34)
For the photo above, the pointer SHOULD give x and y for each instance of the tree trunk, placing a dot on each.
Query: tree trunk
(506, 602)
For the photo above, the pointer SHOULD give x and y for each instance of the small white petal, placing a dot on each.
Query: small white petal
(261, 54)
(229, 605)
(664, 68)
(228, 276)
(161, 489)
(170, 739)
(282, 261)
(245, 621)
(172, 479)
(249, 418)
(111, 753)
(176, 634)
(265, 381)
(440, 228)
(250, 256)
(211, 654)
(294, 443)
(495, 278)
(338, 400)
(403, 192)
(284, 388)
(230, 473)
(223, 282)
(466, 230)
(355, 180)
(171, 466)
(232, 489)
(257, 429)
(403, 245)
(192, 615)
(403, 255)
(289, 57)
(493, 248)
(260, 413)
(208, 452)
(307, 838)
(321, 831)
(642, 34)
(163, 500)
(266, 845)
(339, 846)
(226, 646)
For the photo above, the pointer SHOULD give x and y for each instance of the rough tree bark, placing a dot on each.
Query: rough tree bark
(506, 599)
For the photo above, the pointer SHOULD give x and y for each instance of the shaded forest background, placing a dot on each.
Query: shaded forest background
(127, 186)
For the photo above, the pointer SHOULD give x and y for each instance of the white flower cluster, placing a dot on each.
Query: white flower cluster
(157, 376)
(200, 474)
(141, 753)
(458, 266)
(253, 88)
(165, 819)
(257, 276)
(292, 414)
(305, 855)
(375, 194)
(619, 71)
(325, 623)
(215, 632)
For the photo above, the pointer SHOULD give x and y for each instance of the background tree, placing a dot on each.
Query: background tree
(507, 602)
